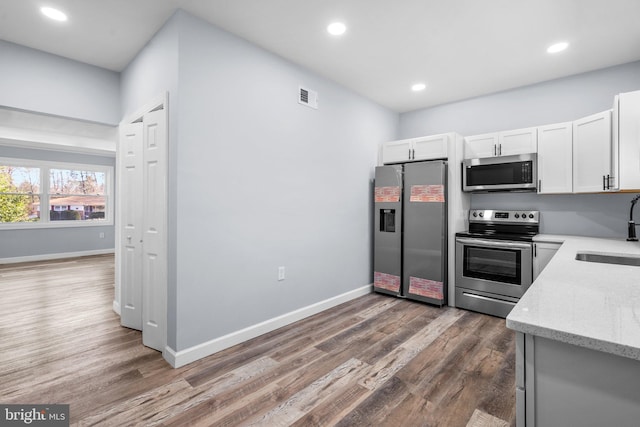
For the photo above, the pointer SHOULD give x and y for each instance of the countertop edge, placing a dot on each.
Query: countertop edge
(577, 340)
(589, 326)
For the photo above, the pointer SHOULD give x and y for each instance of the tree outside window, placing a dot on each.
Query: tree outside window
(19, 194)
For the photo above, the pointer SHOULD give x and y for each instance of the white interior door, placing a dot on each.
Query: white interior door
(154, 251)
(130, 224)
(142, 227)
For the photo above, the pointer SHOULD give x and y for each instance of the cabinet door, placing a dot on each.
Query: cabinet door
(542, 254)
(431, 147)
(626, 129)
(519, 141)
(592, 152)
(479, 146)
(396, 151)
(555, 158)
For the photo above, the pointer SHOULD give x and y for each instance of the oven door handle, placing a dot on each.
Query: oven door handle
(494, 243)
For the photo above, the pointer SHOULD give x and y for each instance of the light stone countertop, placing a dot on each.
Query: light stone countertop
(587, 304)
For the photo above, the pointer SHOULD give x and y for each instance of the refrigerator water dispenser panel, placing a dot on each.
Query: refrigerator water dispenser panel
(388, 220)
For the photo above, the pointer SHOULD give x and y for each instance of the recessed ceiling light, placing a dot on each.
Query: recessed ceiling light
(337, 28)
(54, 14)
(418, 87)
(557, 47)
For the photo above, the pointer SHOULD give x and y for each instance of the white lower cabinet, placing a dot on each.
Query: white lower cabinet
(542, 254)
(566, 385)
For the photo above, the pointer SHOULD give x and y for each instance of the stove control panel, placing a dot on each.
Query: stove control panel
(498, 216)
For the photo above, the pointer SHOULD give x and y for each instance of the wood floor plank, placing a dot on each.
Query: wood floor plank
(376, 360)
(332, 410)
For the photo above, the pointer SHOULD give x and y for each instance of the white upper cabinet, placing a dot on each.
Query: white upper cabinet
(479, 146)
(555, 158)
(396, 151)
(430, 147)
(626, 139)
(414, 149)
(592, 154)
(519, 141)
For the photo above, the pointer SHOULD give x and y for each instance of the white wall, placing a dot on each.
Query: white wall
(37, 81)
(550, 102)
(259, 181)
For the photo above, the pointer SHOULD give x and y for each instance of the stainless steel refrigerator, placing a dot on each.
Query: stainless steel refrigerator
(410, 231)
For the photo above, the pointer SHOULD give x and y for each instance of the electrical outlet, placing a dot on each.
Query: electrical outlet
(280, 273)
(102, 235)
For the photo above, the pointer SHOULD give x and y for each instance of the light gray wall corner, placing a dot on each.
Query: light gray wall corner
(263, 182)
(33, 80)
(154, 71)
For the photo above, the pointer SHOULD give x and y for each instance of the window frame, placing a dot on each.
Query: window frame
(44, 195)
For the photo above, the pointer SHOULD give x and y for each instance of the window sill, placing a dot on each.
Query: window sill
(61, 224)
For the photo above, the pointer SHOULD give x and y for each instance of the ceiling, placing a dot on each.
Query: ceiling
(459, 48)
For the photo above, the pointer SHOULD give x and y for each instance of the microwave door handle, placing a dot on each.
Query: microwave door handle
(494, 243)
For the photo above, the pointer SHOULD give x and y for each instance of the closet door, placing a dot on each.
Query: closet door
(154, 248)
(130, 224)
(142, 226)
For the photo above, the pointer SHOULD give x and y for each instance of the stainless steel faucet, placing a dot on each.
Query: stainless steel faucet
(632, 225)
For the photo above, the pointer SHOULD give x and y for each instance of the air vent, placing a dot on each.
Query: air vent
(308, 97)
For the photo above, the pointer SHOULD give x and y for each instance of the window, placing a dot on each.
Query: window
(46, 194)
(19, 194)
(76, 195)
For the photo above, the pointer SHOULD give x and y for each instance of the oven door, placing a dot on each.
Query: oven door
(496, 266)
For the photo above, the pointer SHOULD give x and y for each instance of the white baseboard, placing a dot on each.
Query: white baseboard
(184, 357)
(48, 257)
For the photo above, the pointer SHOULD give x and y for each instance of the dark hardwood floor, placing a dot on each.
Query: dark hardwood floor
(374, 361)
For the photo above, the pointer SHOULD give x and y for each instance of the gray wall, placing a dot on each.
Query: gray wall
(37, 81)
(260, 182)
(550, 102)
(46, 241)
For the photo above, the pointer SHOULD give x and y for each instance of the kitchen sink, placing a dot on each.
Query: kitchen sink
(609, 258)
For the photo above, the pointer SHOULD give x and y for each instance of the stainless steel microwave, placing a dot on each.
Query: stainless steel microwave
(503, 173)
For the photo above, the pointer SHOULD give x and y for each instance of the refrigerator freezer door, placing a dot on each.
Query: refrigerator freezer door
(387, 236)
(425, 232)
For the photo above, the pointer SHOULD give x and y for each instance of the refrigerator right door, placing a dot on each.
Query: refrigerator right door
(425, 232)
(387, 235)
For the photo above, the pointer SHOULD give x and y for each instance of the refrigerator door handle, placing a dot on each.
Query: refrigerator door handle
(494, 243)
